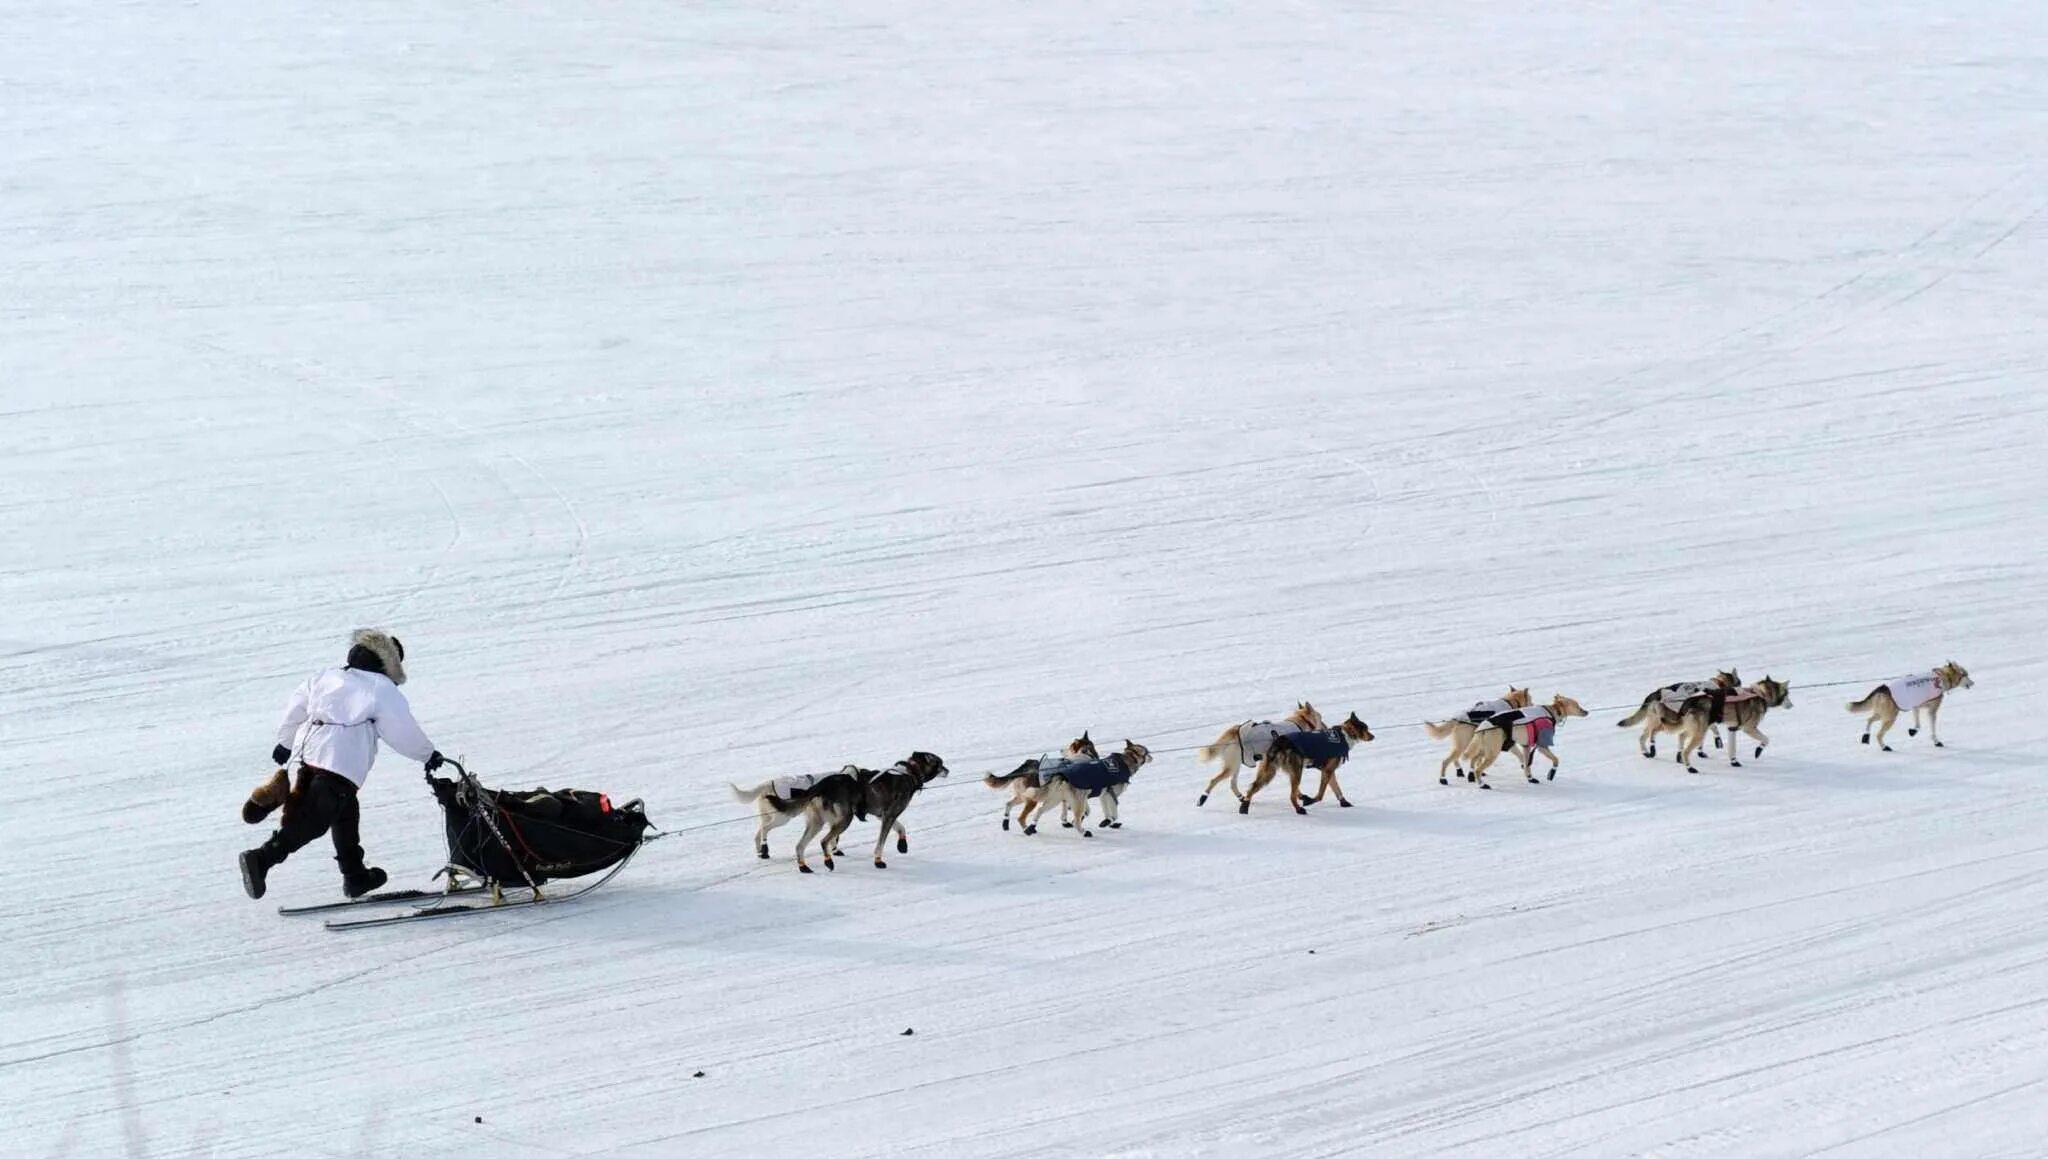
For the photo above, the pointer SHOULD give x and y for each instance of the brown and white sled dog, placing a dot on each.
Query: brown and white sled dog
(1658, 716)
(1921, 692)
(1295, 753)
(1525, 738)
(836, 801)
(1459, 729)
(1073, 800)
(772, 800)
(1024, 784)
(1246, 744)
(1742, 711)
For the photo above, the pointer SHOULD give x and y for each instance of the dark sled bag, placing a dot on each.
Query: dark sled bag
(513, 837)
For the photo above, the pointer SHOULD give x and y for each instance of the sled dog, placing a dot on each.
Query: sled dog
(772, 800)
(1920, 692)
(1659, 711)
(1024, 783)
(1246, 744)
(1295, 752)
(1073, 784)
(1741, 709)
(1458, 729)
(836, 801)
(1527, 733)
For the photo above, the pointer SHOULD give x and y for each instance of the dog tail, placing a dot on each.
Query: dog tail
(1210, 752)
(1002, 780)
(1865, 704)
(1440, 729)
(1636, 717)
(748, 796)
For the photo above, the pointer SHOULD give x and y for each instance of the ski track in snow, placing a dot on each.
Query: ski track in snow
(713, 393)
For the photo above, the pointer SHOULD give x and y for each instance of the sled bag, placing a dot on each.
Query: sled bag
(550, 833)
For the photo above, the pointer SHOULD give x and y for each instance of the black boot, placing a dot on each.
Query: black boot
(255, 867)
(363, 881)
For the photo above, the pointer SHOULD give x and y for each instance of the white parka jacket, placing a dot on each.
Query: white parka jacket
(335, 720)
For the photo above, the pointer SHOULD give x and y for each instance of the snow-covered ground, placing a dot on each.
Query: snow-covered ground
(706, 392)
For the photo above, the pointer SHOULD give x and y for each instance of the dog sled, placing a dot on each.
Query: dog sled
(521, 840)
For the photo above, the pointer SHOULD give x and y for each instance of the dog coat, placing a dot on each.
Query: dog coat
(1255, 738)
(1485, 710)
(1674, 696)
(1091, 776)
(1526, 726)
(1328, 744)
(1909, 692)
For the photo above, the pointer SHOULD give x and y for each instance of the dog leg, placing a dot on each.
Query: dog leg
(1914, 728)
(1229, 773)
(1885, 723)
(902, 838)
(1933, 722)
(814, 820)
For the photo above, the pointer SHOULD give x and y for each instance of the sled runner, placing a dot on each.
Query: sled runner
(502, 839)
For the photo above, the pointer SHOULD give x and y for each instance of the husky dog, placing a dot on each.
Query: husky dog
(1659, 711)
(1921, 691)
(1246, 744)
(1741, 709)
(1527, 733)
(1459, 729)
(834, 802)
(1293, 753)
(1073, 783)
(1025, 785)
(773, 801)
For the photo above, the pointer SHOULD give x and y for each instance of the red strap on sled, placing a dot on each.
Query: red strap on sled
(604, 803)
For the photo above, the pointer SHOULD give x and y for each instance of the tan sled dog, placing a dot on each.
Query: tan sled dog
(1024, 784)
(1742, 711)
(1073, 799)
(1459, 729)
(1244, 744)
(1527, 737)
(1658, 717)
(1921, 692)
(1295, 753)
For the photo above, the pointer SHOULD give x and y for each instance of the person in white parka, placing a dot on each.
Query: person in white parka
(332, 725)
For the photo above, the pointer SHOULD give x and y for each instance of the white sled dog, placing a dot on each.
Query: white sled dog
(1459, 729)
(1246, 744)
(1920, 692)
(771, 801)
(1659, 713)
(1527, 735)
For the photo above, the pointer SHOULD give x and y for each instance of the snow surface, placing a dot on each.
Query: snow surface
(706, 392)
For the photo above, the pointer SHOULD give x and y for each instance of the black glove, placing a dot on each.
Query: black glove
(435, 760)
(281, 755)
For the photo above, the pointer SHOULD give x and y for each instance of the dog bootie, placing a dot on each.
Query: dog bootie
(266, 798)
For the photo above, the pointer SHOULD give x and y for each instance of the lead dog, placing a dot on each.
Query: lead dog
(1024, 783)
(1659, 711)
(1293, 753)
(836, 801)
(1920, 691)
(1074, 783)
(1528, 733)
(1459, 729)
(1246, 744)
(1741, 709)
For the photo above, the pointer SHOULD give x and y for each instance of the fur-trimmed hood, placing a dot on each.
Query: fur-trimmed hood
(385, 647)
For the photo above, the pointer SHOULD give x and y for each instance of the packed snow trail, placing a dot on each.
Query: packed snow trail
(712, 394)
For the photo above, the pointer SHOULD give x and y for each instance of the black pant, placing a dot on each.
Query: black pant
(321, 802)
